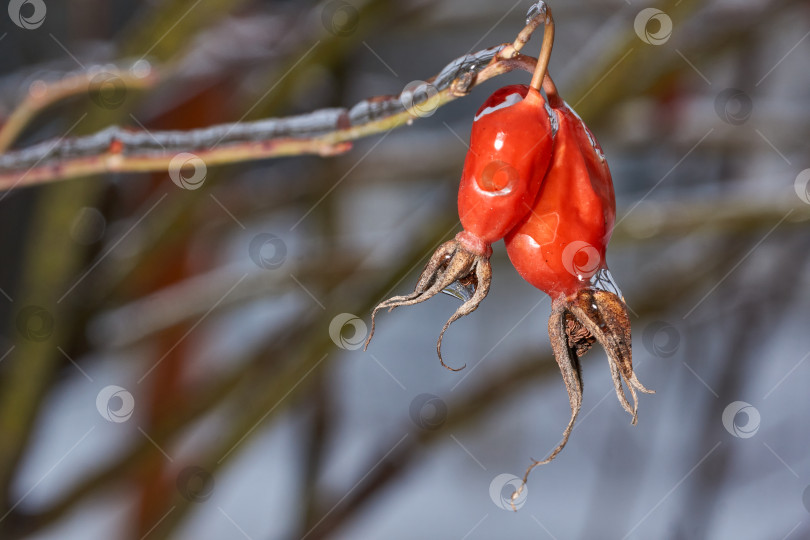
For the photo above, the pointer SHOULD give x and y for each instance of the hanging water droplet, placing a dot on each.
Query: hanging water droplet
(460, 290)
(604, 281)
(538, 8)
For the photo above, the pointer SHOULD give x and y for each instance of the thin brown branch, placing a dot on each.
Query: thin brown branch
(324, 132)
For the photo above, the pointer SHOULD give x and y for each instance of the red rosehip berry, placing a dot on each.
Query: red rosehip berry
(510, 151)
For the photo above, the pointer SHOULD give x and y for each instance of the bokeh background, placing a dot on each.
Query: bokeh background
(184, 363)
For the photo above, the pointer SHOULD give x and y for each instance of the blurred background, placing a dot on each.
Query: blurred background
(181, 363)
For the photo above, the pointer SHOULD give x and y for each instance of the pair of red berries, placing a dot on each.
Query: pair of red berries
(536, 177)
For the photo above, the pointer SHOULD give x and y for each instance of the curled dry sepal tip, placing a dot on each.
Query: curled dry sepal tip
(461, 264)
(510, 150)
(536, 177)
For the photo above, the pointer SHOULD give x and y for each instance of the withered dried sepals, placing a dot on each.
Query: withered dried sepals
(459, 261)
(576, 322)
(604, 316)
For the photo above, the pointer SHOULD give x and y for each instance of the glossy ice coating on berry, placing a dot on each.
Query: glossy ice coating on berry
(510, 151)
(560, 246)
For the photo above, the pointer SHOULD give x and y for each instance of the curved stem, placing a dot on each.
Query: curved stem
(540, 74)
(548, 42)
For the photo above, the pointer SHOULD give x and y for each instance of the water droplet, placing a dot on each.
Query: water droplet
(538, 8)
(469, 63)
(460, 291)
(552, 118)
(604, 281)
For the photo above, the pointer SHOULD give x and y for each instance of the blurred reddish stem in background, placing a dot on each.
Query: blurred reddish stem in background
(158, 475)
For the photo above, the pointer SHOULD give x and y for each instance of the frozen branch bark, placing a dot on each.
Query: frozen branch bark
(324, 132)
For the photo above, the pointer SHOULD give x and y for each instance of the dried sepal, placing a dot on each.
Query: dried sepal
(604, 315)
(482, 270)
(579, 339)
(453, 262)
(577, 322)
(568, 342)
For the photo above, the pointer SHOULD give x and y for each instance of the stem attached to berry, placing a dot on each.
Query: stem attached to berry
(545, 51)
